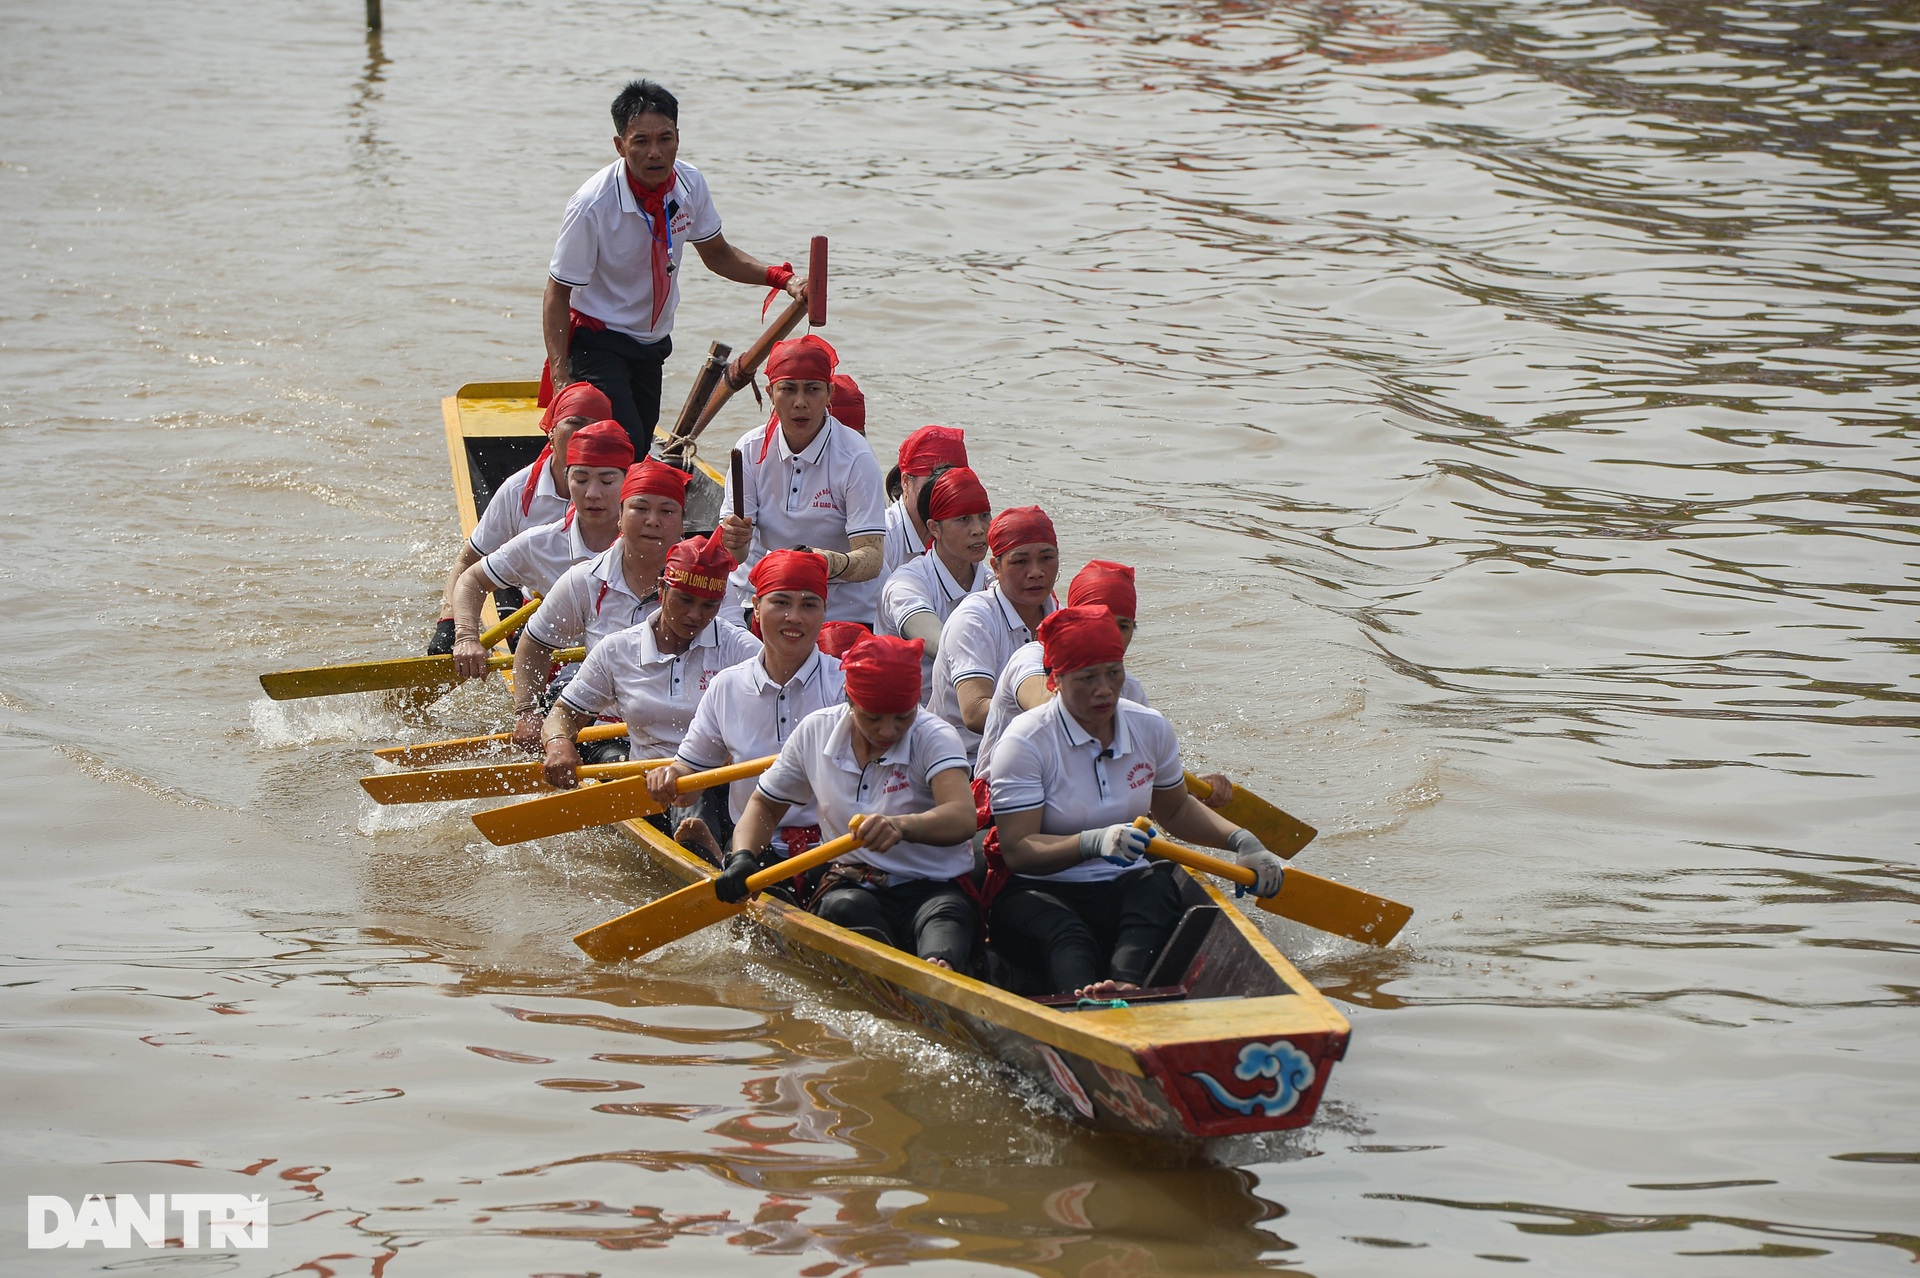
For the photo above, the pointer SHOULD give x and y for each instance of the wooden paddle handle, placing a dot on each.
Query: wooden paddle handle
(723, 776)
(1171, 851)
(508, 624)
(784, 870)
(739, 481)
(817, 282)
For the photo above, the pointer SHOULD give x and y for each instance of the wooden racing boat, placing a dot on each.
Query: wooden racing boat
(1227, 1038)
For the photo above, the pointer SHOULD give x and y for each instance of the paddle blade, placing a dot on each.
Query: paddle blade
(563, 813)
(655, 924)
(1336, 908)
(1278, 833)
(360, 676)
(431, 754)
(444, 784)
(817, 282)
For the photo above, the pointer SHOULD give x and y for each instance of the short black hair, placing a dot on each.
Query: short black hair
(925, 500)
(640, 97)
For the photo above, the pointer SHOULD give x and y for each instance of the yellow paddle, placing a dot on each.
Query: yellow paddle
(1278, 833)
(437, 785)
(693, 907)
(592, 805)
(429, 753)
(1304, 898)
(401, 672)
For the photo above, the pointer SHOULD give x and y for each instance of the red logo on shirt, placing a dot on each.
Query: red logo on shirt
(1138, 775)
(823, 500)
(705, 677)
(896, 782)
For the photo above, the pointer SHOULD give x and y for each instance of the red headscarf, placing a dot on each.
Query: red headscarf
(790, 570)
(957, 492)
(883, 674)
(932, 446)
(836, 637)
(699, 566)
(1074, 638)
(1106, 583)
(577, 399)
(656, 479)
(849, 405)
(804, 359)
(604, 443)
(1020, 526)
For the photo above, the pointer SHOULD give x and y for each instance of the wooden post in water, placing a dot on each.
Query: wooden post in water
(373, 15)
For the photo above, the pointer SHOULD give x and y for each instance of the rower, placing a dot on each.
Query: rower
(849, 404)
(614, 281)
(615, 589)
(535, 494)
(880, 754)
(1023, 681)
(811, 483)
(986, 627)
(920, 595)
(655, 674)
(921, 453)
(1069, 777)
(752, 708)
(597, 460)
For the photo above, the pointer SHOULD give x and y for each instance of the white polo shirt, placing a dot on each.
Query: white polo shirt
(533, 560)
(925, 585)
(605, 249)
(1025, 663)
(822, 497)
(503, 518)
(902, 544)
(817, 765)
(981, 633)
(1046, 760)
(746, 715)
(655, 692)
(589, 602)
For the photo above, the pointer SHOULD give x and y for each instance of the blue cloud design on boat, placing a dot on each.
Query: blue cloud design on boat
(1289, 1067)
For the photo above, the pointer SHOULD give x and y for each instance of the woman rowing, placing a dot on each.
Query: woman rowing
(810, 483)
(655, 674)
(532, 560)
(615, 589)
(752, 708)
(1068, 779)
(1023, 680)
(877, 753)
(987, 627)
(920, 596)
(534, 495)
(921, 453)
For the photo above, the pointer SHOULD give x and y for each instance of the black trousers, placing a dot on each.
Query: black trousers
(935, 916)
(626, 371)
(1074, 934)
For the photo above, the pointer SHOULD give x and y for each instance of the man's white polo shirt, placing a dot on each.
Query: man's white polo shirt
(817, 765)
(1025, 663)
(821, 497)
(589, 602)
(1046, 760)
(925, 585)
(605, 248)
(503, 517)
(982, 632)
(533, 560)
(746, 715)
(655, 692)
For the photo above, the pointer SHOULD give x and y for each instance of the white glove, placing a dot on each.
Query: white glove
(1269, 871)
(1118, 844)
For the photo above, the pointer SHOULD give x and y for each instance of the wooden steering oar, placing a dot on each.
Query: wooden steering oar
(1304, 898)
(740, 370)
(439, 785)
(696, 906)
(603, 804)
(400, 672)
(1278, 833)
(433, 753)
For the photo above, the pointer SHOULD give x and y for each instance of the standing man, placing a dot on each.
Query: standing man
(613, 283)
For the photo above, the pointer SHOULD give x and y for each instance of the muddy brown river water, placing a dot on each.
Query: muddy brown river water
(1508, 408)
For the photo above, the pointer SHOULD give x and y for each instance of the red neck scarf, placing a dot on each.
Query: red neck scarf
(660, 230)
